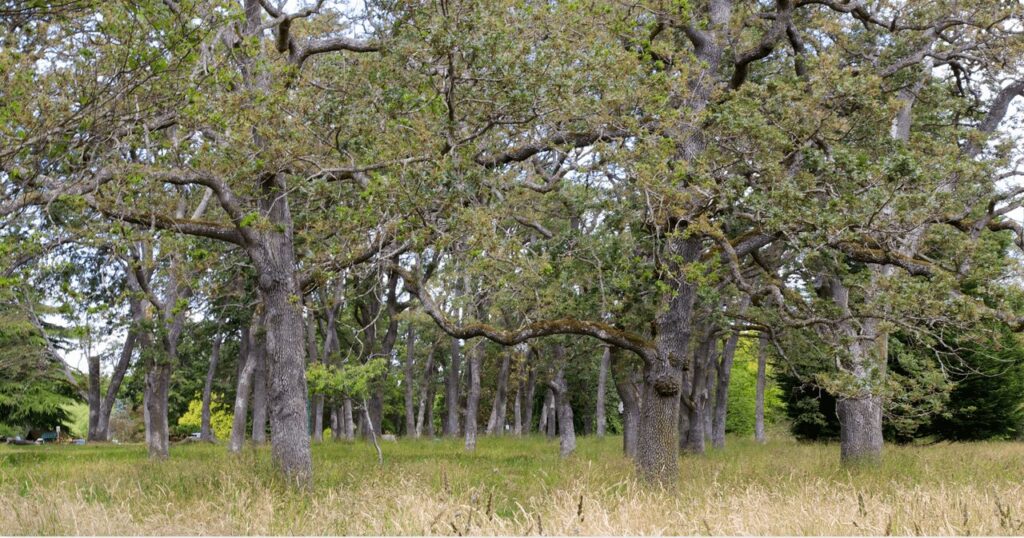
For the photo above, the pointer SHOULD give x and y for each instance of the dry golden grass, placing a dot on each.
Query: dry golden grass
(513, 486)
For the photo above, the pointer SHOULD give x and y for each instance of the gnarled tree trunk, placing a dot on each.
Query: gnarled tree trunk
(566, 427)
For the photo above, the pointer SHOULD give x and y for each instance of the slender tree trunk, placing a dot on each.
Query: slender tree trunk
(529, 397)
(451, 391)
(473, 397)
(316, 405)
(629, 395)
(205, 431)
(247, 363)
(517, 410)
(94, 433)
(497, 426)
(762, 359)
(602, 380)
(348, 424)
(722, 390)
(425, 416)
(547, 417)
(259, 387)
(410, 410)
(116, 377)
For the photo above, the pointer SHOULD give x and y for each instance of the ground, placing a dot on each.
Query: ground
(513, 486)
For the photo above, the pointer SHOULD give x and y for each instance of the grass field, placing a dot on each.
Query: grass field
(513, 486)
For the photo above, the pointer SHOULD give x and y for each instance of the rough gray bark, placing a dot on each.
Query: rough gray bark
(723, 375)
(205, 431)
(762, 359)
(247, 363)
(860, 432)
(657, 452)
(410, 410)
(629, 394)
(496, 425)
(473, 397)
(259, 386)
(348, 425)
(693, 419)
(602, 380)
(451, 391)
(425, 416)
(566, 427)
(158, 384)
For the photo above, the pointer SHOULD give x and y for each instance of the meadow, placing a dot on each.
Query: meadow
(513, 486)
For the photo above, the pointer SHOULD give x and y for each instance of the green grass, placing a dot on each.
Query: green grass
(512, 486)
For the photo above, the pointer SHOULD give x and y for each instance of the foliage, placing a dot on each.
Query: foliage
(220, 417)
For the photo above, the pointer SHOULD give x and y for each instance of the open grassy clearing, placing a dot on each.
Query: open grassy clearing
(513, 486)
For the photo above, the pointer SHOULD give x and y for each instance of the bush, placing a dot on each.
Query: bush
(220, 418)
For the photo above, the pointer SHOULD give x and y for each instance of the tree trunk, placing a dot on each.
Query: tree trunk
(316, 405)
(158, 383)
(451, 392)
(762, 359)
(497, 426)
(205, 431)
(517, 410)
(473, 397)
(94, 433)
(602, 380)
(566, 427)
(247, 358)
(425, 417)
(116, 377)
(629, 395)
(528, 397)
(410, 410)
(259, 386)
(657, 453)
(547, 417)
(347, 423)
(286, 367)
(860, 432)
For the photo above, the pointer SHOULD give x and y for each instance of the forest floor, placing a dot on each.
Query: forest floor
(513, 486)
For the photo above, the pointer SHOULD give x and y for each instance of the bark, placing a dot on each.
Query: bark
(205, 431)
(158, 383)
(723, 375)
(517, 410)
(410, 411)
(657, 451)
(602, 380)
(496, 426)
(94, 399)
(316, 406)
(348, 425)
(247, 363)
(529, 397)
(473, 397)
(860, 432)
(566, 427)
(451, 392)
(762, 359)
(336, 434)
(425, 417)
(629, 394)
(694, 416)
(549, 422)
(116, 377)
(259, 386)
(286, 367)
